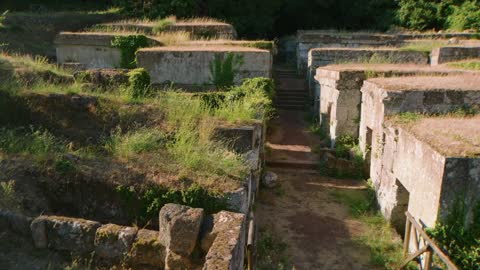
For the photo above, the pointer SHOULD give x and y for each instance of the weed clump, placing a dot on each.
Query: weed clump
(138, 83)
(9, 199)
(223, 69)
(162, 24)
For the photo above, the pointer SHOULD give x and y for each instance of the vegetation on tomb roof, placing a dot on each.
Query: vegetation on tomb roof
(423, 46)
(471, 65)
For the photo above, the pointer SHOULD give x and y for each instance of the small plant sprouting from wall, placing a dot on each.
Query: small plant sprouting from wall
(129, 45)
(223, 69)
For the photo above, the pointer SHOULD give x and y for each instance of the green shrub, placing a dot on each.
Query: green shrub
(162, 24)
(128, 46)
(64, 166)
(466, 16)
(138, 83)
(461, 242)
(418, 14)
(145, 205)
(223, 69)
(29, 141)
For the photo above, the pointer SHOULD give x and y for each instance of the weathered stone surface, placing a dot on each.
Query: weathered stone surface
(39, 232)
(71, 234)
(238, 199)
(224, 241)
(174, 261)
(453, 53)
(147, 250)
(270, 179)
(179, 227)
(170, 64)
(114, 241)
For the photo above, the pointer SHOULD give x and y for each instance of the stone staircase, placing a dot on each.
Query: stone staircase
(291, 93)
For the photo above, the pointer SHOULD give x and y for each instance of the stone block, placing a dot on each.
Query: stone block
(224, 241)
(15, 222)
(174, 261)
(71, 234)
(39, 232)
(114, 241)
(180, 227)
(147, 250)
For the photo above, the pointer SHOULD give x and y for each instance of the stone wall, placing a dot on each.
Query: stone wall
(338, 97)
(326, 56)
(405, 162)
(433, 182)
(184, 234)
(307, 40)
(310, 39)
(91, 50)
(190, 66)
(379, 101)
(452, 54)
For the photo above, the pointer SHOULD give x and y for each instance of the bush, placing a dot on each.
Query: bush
(128, 46)
(466, 16)
(138, 83)
(418, 14)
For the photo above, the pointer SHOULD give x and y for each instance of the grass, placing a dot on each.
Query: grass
(162, 24)
(423, 46)
(385, 245)
(134, 142)
(272, 252)
(31, 63)
(470, 65)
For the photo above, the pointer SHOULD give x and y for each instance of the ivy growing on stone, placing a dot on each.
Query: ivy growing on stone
(138, 83)
(128, 46)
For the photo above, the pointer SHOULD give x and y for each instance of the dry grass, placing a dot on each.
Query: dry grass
(453, 136)
(173, 38)
(468, 82)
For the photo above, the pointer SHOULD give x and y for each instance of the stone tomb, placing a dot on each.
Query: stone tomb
(452, 54)
(189, 66)
(338, 97)
(383, 97)
(90, 50)
(427, 166)
(327, 56)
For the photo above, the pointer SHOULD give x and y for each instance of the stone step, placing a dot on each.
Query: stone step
(304, 165)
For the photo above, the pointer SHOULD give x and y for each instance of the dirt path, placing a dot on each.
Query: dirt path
(318, 230)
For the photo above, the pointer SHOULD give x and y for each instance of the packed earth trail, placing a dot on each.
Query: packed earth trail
(319, 231)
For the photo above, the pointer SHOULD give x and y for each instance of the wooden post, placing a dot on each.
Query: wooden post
(428, 259)
(406, 243)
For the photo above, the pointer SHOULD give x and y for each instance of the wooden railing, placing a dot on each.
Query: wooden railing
(423, 245)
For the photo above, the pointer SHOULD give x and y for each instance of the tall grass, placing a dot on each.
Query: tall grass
(34, 63)
(128, 144)
(9, 199)
(472, 65)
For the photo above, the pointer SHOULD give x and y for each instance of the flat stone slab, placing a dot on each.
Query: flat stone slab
(469, 82)
(450, 136)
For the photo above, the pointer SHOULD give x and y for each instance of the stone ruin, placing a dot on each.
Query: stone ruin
(191, 66)
(409, 173)
(88, 50)
(186, 239)
(337, 94)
